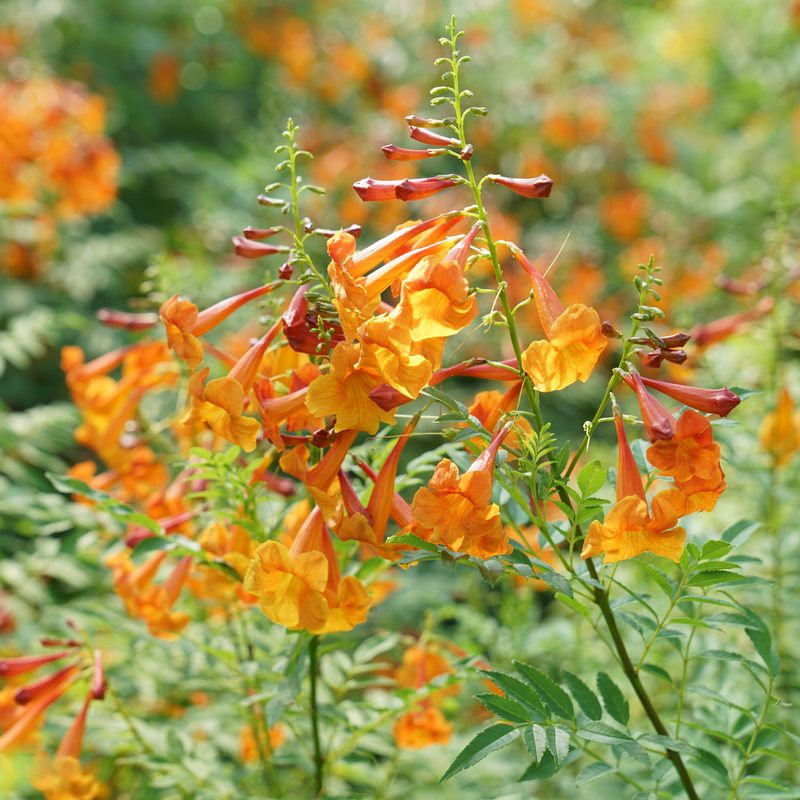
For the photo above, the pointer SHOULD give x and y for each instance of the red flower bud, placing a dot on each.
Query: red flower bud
(658, 422)
(420, 188)
(394, 153)
(260, 233)
(426, 137)
(708, 401)
(295, 316)
(720, 329)
(285, 271)
(527, 187)
(10, 667)
(412, 119)
(33, 691)
(250, 249)
(676, 339)
(354, 230)
(125, 319)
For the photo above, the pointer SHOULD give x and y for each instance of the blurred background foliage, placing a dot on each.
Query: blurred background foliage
(135, 135)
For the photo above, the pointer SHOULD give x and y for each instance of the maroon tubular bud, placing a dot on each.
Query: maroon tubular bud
(609, 331)
(707, 401)
(37, 689)
(412, 119)
(652, 360)
(394, 153)
(260, 233)
(295, 316)
(712, 332)
(427, 137)
(250, 249)
(370, 190)
(420, 188)
(303, 341)
(674, 356)
(676, 339)
(527, 187)
(354, 230)
(466, 153)
(285, 271)
(47, 642)
(658, 422)
(323, 438)
(387, 397)
(125, 319)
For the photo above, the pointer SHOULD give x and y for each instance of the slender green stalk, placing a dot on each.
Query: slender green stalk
(319, 759)
(601, 599)
(682, 687)
(751, 745)
(662, 622)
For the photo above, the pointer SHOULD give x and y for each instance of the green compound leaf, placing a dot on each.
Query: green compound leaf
(593, 772)
(487, 741)
(551, 694)
(504, 708)
(584, 696)
(535, 737)
(613, 699)
(519, 691)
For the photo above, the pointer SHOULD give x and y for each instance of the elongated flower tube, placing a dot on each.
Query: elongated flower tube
(258, 234)
(33, 691)
(98, 687)
(394, 153)
(357, 299)
(248, 248)
(184, 323)
(629, 529)
(708, 401)
(370, 190)
(527, 187)
(419, 134)
(458, 509)
(64, 777)
(295, 315)
(126, 319)
(370, 528)
(322, 474)
(709, 333)
(413, 119)
(29, 719)
(20, 665)
(658, 422)
(342, 248)
(574, 337)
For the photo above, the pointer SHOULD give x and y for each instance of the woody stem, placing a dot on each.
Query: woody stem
(601, 599)
(319, 759)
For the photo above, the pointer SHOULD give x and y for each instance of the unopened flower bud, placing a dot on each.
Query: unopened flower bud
(466, 153)
(126, 319)
(419, 122)
(260, 233)
(527, 187)
(272, 202)
(610, 331)
(394, 153)
(676, 339)
(250, 249)
(285, 271)
(674, 356)
(427, 137)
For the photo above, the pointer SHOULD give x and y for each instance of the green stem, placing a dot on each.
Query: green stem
(751, 745)
(682, 687)
(319, 759)
(601, 599)
(498, 273)
(662, 622)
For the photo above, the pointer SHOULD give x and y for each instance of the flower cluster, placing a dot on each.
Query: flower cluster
(22, 710)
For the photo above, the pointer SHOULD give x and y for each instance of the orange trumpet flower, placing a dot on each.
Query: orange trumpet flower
(184, 323)
(302, 587)
(64, 778)
(629, 529)
(574, 337)
(459, 511)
